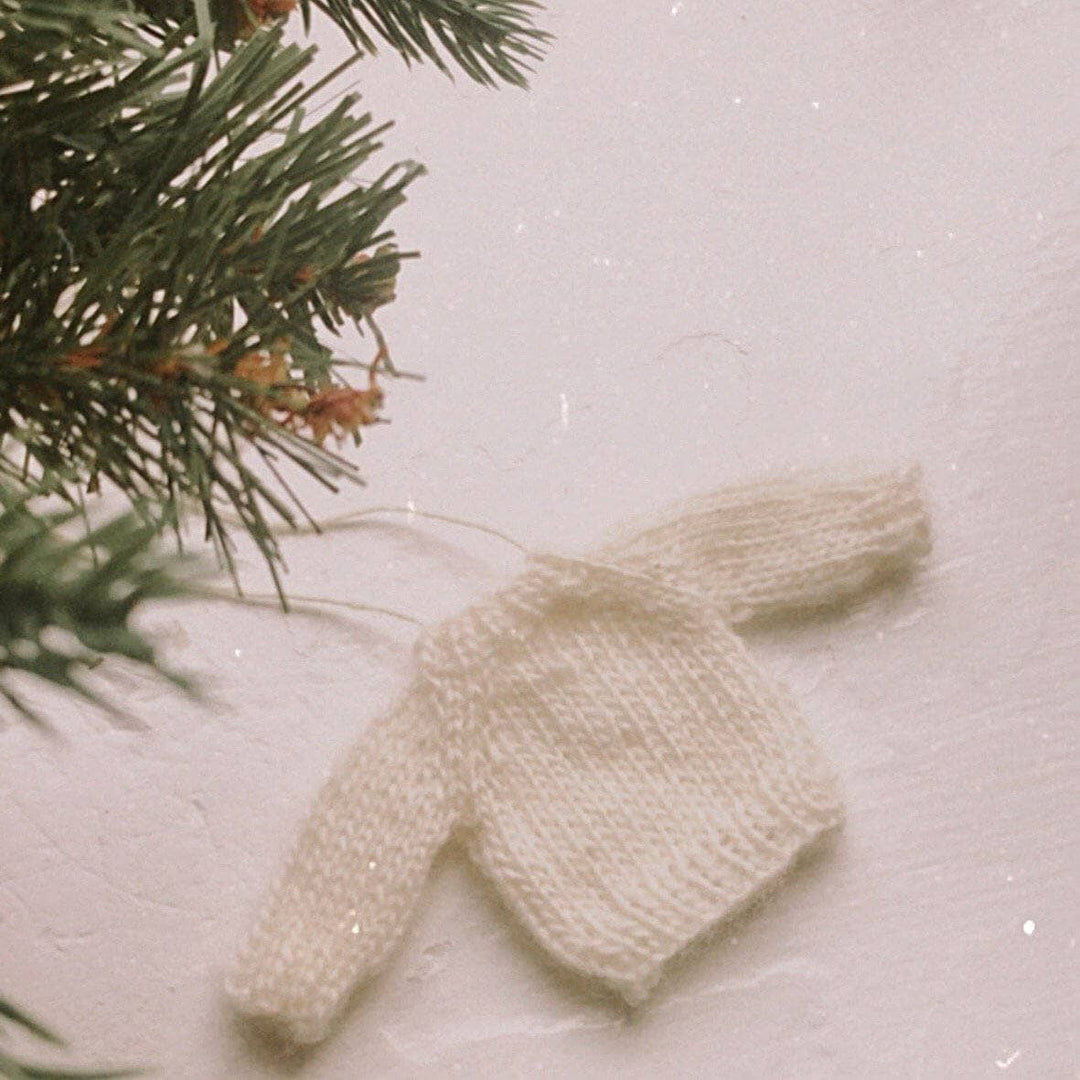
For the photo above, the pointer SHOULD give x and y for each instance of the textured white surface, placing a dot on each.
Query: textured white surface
(709, 241)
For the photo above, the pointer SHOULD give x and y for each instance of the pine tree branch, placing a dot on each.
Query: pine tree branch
(169, 244)
(487, 39)
(66, 602)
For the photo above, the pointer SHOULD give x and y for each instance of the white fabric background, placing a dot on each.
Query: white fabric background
(712, 239)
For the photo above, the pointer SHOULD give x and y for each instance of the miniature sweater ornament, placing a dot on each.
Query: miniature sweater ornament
(599, 740)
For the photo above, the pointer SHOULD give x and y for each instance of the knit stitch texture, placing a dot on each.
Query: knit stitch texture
(599, 740)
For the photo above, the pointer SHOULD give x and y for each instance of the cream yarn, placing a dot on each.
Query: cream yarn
(599, 740)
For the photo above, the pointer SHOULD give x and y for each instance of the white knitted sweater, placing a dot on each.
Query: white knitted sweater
(598, 738)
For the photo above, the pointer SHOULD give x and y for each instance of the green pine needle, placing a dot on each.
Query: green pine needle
(66, 602)
(488, 39)
(16, 1016)
(12, 1068)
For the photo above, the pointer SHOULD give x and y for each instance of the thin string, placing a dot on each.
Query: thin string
(351, 518)
(345, 521)
(273, 600)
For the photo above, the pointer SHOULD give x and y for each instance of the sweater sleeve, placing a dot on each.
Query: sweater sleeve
(781, 545)
(351, 884)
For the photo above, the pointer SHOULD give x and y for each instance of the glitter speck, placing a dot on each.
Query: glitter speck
(737, 100)
(919, 253)
(237, 653)
(355, 928)
(815, 104)
(372, 864)
(1029, 927)
(676, 8)
(1004, 1063)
